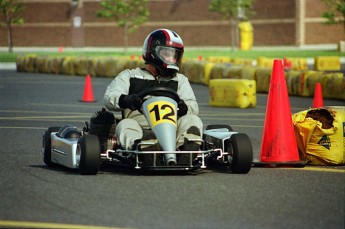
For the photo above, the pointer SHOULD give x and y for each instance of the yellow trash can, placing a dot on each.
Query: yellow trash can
(246, 35)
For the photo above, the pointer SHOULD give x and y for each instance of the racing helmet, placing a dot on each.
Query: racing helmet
(164, 49)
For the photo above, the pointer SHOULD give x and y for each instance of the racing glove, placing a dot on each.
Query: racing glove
(182, 108)
(132, 102)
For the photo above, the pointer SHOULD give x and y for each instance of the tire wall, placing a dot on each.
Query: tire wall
(300, 80)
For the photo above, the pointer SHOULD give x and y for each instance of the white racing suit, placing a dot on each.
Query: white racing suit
(130, 128)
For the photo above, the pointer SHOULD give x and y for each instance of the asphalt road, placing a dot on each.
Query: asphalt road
(32, 195)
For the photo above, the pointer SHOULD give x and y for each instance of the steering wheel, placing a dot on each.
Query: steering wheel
(160, 91)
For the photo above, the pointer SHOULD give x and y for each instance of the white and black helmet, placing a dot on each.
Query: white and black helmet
(164, 49)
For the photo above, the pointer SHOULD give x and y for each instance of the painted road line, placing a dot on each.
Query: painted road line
(49, 120)
(319, 169)
(231, 114)
(23, 127)
(74, 105)
(247, 126)
(25, 224)
(42, 112)
(43, 117)
(232, 118)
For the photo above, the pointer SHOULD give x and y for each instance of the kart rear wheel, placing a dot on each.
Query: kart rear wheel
(218, 126)
(89, 150)
(47, 145)
(240, 148)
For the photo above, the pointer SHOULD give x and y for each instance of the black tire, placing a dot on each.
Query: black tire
(218, 126)
(89, 148)
(242, 153)
(47, 144)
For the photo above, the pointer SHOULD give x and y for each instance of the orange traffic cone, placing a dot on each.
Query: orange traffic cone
(318, 100)
(287, 64)
(279, 147)
(88, 92)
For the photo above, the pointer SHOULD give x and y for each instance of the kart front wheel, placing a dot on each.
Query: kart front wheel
(89, 151)
(47, 145)
(240, 153)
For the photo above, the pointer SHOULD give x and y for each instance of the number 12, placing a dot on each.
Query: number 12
(168, 115)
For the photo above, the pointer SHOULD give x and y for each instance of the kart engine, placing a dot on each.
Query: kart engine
(103, 124)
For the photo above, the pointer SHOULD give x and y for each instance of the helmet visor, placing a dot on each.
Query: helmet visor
(169, 55)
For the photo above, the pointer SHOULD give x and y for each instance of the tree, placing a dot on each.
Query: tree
(335, 7)
(11, 13)
(232, 10)
(128, 14)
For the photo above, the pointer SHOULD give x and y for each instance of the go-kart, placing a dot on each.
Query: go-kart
(96, 144)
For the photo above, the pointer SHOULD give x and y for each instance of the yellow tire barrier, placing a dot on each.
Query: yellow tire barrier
(217, 71)
(93, 66)
(232, 93)
(232, 72)
(263, 78)
(308, 80)
(20, 63)
(248, 72)
(292, 81)
(30, 63)
(333, 85)
(41, 64)
(207, 72)
(81, 66)
(264, 62)
(195, 71)
(68, 66)
(298, 63)
(300, 82)
(327, 63)
(219, 59)
(55, 64)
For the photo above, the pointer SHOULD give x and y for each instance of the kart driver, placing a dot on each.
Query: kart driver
(162, 52)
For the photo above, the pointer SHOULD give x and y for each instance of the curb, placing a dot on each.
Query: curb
(8, 66)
